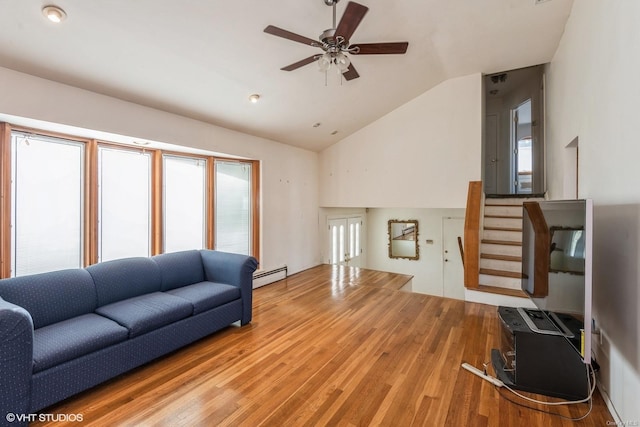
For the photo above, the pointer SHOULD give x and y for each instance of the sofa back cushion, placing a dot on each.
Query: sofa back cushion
(124, 278)
(180, 269)
(52, 297)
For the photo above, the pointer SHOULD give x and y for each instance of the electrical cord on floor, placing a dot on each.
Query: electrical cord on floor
(504, 395)
(590, 374)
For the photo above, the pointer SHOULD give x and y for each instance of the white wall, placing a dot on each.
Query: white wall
(427, 271)
(593, 93)
(289, 175)
(414, 163)
(421, 155)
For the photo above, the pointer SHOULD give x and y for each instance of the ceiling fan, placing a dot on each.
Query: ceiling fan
(335, 42)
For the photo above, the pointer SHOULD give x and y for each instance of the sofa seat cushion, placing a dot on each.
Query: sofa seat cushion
(72, 338)
(207, 295)
(145, 313)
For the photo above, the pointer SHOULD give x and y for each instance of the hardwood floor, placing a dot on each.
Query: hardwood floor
(328, 346)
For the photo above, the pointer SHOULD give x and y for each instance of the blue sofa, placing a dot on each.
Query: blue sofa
(66, 331)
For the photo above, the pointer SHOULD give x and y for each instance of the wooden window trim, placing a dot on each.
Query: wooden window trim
(211, 199)
(91, 203)
(5, 200)
(156, 204)
(255, 214)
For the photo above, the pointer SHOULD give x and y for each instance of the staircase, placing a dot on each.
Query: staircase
(501, 246)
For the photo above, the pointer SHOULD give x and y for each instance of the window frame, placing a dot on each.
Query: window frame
(207, 185)
(95, 204)
(80, 209)
(254, 200)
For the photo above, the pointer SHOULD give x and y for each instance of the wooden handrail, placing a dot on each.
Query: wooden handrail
(472, 235)
(541, 249)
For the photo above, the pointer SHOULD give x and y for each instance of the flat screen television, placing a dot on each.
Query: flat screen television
(557, 267)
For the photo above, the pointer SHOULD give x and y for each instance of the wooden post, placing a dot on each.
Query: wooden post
(472, 235)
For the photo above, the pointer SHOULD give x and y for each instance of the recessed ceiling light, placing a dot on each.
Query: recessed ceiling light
(254, 98)
(334, 132)
(54, 13)
(315, 125)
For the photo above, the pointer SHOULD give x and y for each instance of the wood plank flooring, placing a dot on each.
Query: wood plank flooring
(329, 346)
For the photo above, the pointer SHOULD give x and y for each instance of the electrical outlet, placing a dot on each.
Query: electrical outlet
(596, 331)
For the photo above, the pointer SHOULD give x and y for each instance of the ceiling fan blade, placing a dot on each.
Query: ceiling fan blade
(279, 32)
(351, 73)
(380, 48)
(350, 20)
(302, 63)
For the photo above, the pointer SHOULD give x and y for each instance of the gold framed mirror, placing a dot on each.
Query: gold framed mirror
(403, 239)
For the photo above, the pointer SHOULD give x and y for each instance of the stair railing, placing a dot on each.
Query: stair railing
(473, 214)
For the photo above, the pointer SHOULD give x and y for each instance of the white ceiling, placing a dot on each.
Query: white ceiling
(203, 58)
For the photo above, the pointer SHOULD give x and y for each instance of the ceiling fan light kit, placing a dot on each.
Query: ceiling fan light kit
(338, 60)
(335, 42)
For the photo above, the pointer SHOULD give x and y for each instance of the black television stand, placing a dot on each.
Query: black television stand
(538, 362)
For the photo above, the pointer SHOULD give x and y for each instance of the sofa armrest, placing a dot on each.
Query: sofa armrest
(16, 360)
(232, 269)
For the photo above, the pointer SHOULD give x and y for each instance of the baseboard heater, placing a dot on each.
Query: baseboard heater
(265, 277)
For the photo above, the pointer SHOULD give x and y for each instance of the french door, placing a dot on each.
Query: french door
(345, 241)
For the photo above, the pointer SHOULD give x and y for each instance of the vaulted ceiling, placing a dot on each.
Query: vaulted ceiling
(203, 58)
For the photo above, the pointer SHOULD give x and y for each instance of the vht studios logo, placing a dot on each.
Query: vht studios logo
(30, 418)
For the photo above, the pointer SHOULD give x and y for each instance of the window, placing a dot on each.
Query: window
(47, 200)
(233, 207)
(354, 238)
(124, 203)
(184, 200)
(72, 202)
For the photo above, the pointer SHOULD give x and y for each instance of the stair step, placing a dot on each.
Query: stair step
(503, 210)
(504, 216)
(498, 264)
(509, 205)
(502, 202)
(502, 291)
(493, 222)
(501, 273)
(515, 201)
(493, 228)
(501, 235)
(501, 249)
(501, 242)
(500, 281)
(501, 257)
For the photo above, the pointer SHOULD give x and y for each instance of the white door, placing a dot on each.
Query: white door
(345, 241)
(491, 154)
(453, 270)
